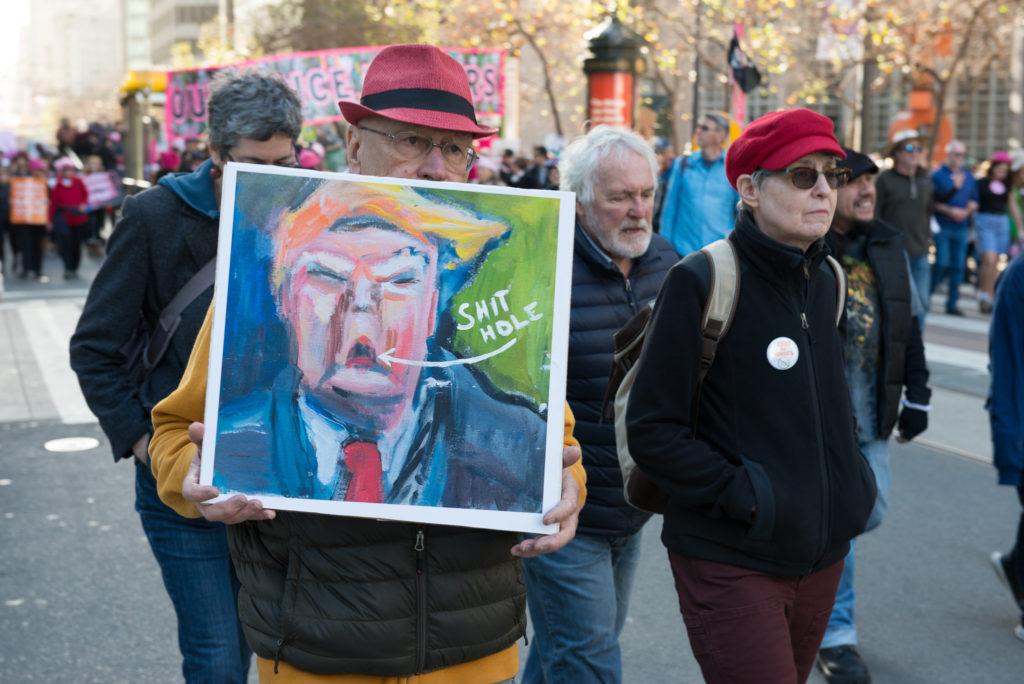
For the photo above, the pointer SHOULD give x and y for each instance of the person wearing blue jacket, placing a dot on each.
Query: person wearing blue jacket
(700, 205)
(1006, 415)
(955, 200)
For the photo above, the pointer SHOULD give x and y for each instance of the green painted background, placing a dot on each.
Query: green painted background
(525, 265)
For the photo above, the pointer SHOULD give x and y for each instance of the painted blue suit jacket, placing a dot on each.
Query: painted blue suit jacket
(458, 457)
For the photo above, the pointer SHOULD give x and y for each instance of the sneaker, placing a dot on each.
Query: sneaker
(954, 312)
(985, 306)
(843, 665)
(1006, 575)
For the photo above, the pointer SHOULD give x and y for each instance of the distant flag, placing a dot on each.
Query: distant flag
(745, 76)
(744, 73)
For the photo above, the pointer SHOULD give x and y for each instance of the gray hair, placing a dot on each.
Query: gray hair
(581, 159)
(251, 105)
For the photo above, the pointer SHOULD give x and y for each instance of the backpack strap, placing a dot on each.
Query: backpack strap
(840, 275)
(170, 317)
(719, 308)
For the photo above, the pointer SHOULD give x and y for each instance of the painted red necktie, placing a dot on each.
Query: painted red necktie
(362, 459)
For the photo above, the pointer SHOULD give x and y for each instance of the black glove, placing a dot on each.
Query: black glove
(912, 422)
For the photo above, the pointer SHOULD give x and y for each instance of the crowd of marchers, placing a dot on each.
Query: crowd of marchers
(763, 499)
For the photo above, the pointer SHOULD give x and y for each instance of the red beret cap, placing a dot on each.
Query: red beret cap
(778, 139)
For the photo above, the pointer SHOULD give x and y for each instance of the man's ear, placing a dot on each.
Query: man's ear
(353, 143)
(215, 155)
(747, 188)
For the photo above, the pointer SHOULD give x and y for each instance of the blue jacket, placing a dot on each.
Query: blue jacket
(700, 205)
(1006, 396)
(942, 185)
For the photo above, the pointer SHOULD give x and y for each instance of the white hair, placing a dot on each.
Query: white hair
(579, 162)
(955, 144)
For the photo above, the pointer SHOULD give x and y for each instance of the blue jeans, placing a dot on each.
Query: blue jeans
(198, 575)
(921, 272)
(950, 258)
(841, 629)
(578, 599)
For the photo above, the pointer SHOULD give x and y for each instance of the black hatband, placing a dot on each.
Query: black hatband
(420, 98)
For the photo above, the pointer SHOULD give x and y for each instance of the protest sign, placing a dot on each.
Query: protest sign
(321, 79)
(390, 349)
(30, 202)
(102, 189)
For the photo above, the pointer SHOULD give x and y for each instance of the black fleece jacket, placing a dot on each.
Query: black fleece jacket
(771, 479)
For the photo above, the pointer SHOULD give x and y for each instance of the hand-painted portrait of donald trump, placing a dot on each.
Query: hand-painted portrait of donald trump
(351, 390)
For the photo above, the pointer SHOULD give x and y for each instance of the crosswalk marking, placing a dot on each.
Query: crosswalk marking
(955, 356)
(49, 327)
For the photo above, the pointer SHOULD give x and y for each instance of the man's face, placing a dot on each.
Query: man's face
(709, 134)
(619, 217)
(955, 157)
(375, 154)
(856, 200)
(908, 154)
(351, 296)
(278, 150)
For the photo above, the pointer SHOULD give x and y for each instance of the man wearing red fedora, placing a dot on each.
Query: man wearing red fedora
(365, 600)
(766, 485)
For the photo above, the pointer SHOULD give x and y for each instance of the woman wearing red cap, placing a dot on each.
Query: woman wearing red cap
(766, 485)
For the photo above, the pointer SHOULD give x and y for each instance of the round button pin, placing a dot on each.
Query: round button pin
(783, 353)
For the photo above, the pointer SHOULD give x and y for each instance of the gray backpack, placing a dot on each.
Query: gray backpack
(719, 309)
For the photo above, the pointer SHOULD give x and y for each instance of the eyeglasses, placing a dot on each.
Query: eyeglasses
(704, 128)
(806, 177)
(411, 146)
(911, 147)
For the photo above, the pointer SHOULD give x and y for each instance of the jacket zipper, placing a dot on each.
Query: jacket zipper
(421, 600)
(629, 294)
(826, 498)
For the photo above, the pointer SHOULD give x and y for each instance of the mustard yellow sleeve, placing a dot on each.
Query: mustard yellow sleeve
(576, 469)
(170, 449)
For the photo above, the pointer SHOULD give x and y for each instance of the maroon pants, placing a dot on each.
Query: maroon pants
(746, 626)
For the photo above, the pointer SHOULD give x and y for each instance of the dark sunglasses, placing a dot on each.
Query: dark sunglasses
(910, 147)
(806, 177)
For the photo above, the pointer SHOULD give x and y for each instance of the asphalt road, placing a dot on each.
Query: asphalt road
(81, 598)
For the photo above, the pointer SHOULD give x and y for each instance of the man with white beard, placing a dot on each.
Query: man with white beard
(578, 596)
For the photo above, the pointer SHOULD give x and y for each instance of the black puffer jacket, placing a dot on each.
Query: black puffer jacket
(335, 595)
(602, 301)
(902, 360)
(772, 478)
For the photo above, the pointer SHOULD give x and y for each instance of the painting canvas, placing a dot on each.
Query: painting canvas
(389, 348)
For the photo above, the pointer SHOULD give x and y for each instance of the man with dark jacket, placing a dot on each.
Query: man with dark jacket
(579, 596)
(904, 201)
(381, 600)
(884, 357)
(765, 484)
(165, 236)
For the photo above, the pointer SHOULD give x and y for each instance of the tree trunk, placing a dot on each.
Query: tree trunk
(548, 86)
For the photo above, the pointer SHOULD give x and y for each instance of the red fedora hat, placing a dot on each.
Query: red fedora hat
(417, 84)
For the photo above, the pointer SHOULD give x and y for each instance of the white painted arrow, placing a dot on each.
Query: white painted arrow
(387, 359)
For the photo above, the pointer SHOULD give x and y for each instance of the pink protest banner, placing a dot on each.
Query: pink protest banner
(101, 188)
(322, 78)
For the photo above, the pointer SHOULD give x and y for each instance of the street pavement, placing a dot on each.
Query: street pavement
(81, 598)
